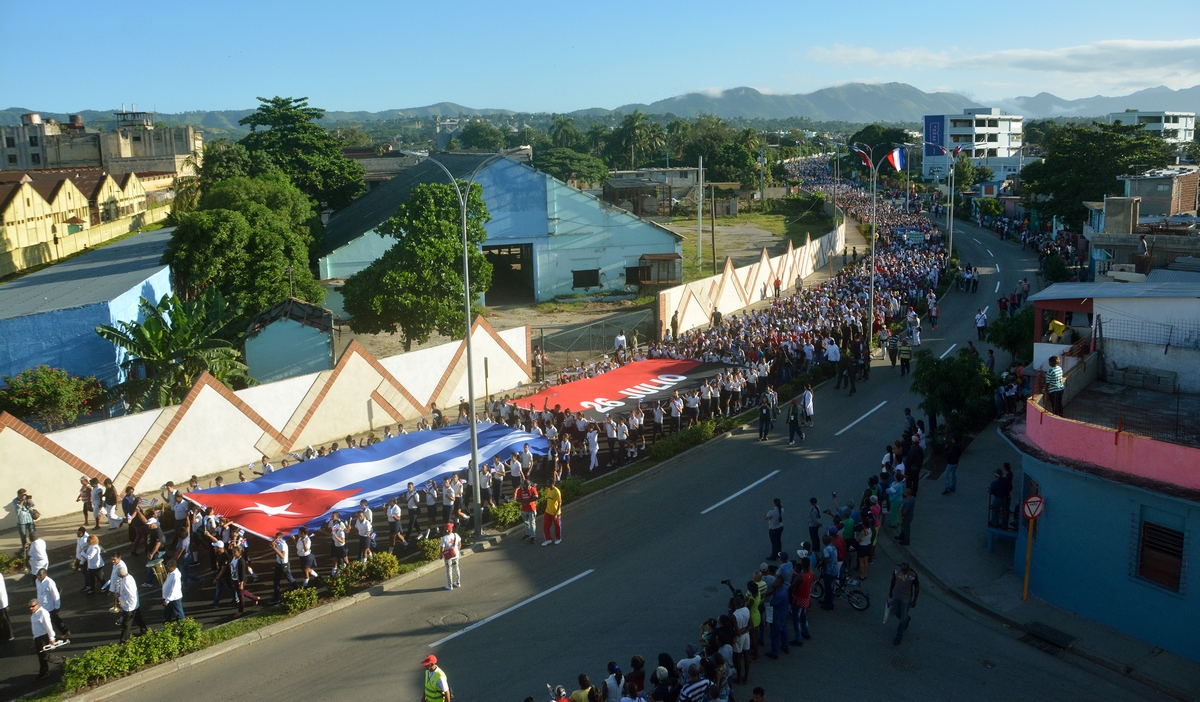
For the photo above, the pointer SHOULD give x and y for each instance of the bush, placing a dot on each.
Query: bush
(431, 549)
(505, 515)
(347, 579)
(298, 600)
(114, 660)
(684, 440)
(572, 488)
(382, 565)
(9, 563)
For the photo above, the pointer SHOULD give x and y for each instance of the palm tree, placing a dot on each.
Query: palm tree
(186, 188)
(597, 136)
(179, 341)
(633, 132)
(655, 138)
(748, 138)
(563, 132)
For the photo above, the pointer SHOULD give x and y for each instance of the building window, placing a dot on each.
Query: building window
(35, 158)
(585, 279)
(1160, 555)
(12, 159)
(10, 142)
(633, 275)
(136, 137)
(33, 141)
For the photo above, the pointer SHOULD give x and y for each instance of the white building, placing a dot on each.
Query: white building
(990, 137)
(1174, 127)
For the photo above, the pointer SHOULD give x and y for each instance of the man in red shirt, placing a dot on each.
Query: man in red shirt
(801, 596)
(527, 495)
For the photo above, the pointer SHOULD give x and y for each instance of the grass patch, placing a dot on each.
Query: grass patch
(561, 306)
(232, 630)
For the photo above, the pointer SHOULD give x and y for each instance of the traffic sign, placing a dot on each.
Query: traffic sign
(1033, 507)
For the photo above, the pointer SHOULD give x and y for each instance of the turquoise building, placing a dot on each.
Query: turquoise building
(546, 238)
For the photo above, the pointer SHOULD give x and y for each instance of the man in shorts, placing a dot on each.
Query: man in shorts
(741, 644)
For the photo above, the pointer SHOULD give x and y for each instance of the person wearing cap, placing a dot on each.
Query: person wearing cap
(794, 421)
(437, 687)
(154, 546)
(451, 551)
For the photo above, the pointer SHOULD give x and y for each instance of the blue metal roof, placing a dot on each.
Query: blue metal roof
(1101, 291)
(100, 275)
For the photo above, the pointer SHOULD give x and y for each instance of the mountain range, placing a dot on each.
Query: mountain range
(852, 102)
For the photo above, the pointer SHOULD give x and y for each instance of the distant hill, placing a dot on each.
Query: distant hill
(852, 102)
(1160, 98)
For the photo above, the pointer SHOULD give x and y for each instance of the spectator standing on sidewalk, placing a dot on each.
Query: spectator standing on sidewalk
(774, 520)
(903, 594)
(552, 517)
(451, 552)
(814, 521)
(906, 516)
(999, 490)
(527, 495)
(23, 506)
(953, 456)
(829, 569)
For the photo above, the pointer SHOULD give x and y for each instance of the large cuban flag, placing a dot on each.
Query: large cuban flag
(305, 494)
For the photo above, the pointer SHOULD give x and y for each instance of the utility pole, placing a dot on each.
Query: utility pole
(762, 182)
(712, 213)
(699, 211)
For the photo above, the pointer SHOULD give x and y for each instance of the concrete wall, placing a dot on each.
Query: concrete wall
(1181, 360)
(1174, 464)
(287, 348)
(354, 256)
(1086, 549)
(735, 288)
(216, 429)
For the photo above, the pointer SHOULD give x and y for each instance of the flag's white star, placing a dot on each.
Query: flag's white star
(271, 511)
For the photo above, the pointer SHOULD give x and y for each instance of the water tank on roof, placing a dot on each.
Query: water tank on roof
(31, 118)
(77, 120)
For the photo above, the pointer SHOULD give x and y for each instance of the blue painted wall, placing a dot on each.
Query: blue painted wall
(355, 256)
(1085, 553)
(67, 338)
(287, 348)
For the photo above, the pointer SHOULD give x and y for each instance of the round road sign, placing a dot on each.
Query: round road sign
(1033, 507)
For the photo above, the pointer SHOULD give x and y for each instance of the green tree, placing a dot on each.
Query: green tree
(1193, 150)
(285, 131)
(481, 136)
(1082, 163)
(630, 136)
(529, 136)
(350, 136)
(679, 133)
(964, 173)
(597, 137)
(1054, 270)
(984, 174)
(732, 163)
(416, 287)
(989, 206)
(881, 140)
(177, 342)
(568, 164)
(564, 134)
(959, 389)
(250, 240)
(1013, 334)
(48, 395)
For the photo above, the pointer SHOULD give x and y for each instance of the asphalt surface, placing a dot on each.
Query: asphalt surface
(644, 563)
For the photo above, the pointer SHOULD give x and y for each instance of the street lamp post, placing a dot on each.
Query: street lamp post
(462, 205)
(950, 181)
(874, 168)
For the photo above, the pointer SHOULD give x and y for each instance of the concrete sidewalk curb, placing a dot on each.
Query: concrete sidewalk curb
(108, 690)
(898, 553)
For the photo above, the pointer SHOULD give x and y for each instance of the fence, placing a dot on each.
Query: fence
(597, 337)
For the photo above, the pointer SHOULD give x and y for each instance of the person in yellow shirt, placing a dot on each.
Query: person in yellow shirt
(437, 687)
(552, 517)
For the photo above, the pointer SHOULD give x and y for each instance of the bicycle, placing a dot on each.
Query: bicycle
(856, 598)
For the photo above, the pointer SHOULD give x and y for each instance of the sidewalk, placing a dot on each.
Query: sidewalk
(949, 546)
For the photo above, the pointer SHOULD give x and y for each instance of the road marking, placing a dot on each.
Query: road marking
(977, 241)
(517, 606)
(868, 414)
(997, 267)
(997, 286)
(754, 484)
(990, 253)
(985, 309)
(946, 352)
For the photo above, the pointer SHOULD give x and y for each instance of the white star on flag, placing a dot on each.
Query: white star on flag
(271, 511)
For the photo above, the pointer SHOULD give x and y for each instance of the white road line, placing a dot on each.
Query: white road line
(518, 605)
(997, 267)
(977, 241)
(754, 484)
(985, 309)
(868, 414)
(997, 286)
(947, 351)
(990, 253)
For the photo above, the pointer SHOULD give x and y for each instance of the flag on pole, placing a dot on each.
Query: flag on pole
(863, 155)
(897, 158)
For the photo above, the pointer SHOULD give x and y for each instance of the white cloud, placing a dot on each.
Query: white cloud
(1126, 63)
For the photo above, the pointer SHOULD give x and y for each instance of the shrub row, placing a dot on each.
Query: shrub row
(115, 660)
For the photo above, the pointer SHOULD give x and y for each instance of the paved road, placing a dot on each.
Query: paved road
(647, 561)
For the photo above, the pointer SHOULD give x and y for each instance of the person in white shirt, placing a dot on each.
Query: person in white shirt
(43, 636)
(81, 543)
(37, 555)
(308, 562)
(362, 524)
(806, 401)
(451, 551)
(413, 498)
(127, 600)
(593, 443)
(337, 533)
(282, 567)
(172, 593)
(395, 520)
(6, 631)
(51, 601)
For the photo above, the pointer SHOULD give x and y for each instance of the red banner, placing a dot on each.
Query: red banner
(621, 389)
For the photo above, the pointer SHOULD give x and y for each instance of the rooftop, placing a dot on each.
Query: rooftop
(1163, 417)
(1101, 291)
(100, 275)
(1161, 173)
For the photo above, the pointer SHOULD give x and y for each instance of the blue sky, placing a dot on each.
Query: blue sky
(562, 56)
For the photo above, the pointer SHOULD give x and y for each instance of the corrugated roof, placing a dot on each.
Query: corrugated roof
(1101, 291)
(296, 310)
(99, 275)
(1164, 275)
(372, 209)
